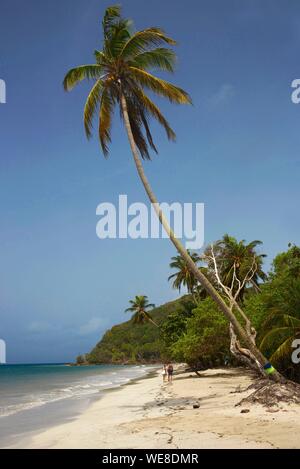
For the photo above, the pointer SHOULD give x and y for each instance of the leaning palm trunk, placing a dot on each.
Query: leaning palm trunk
(153, 322)
(239, 330)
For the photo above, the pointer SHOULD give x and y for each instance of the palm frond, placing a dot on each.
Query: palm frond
(101, 57)
(283, 351)
(160, 86)
(111, 14)
(141, 41)
(120, 34)
(139, 120)
(283, 319)
(155, 111)
(274, 336)
(254, 244)
(105, 118)
(139, 138)
(147, 130)
(160, 58)
(291, 321)
(172, 276)
(91, 105)
(136, 123)
(77, 74)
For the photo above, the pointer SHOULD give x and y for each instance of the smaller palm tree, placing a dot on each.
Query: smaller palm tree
(237, 256)
(139, 307)
(183, 276)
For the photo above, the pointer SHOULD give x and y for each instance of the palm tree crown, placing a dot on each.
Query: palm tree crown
(183, 275)
(122, 69)
(139, 307)
(237, 256)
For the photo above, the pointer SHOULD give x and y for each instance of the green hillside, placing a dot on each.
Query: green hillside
(131, 343)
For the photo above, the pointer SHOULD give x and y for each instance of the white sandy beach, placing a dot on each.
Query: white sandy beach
(149, 414)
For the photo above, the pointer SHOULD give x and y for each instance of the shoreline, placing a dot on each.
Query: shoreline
(18, 428)
(145, 413)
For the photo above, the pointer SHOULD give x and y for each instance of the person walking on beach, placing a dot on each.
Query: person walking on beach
(164, 373)
(170, 372)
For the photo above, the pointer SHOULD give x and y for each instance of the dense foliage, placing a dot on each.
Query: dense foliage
(130, 342)
(205, 340)
(197, 333)
(275, 312)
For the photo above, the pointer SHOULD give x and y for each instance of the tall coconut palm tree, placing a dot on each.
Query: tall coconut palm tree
(139, 307)
(121, 75)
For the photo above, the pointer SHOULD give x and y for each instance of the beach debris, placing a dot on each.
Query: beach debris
(196, 406)
(269, 394)
(245, 411)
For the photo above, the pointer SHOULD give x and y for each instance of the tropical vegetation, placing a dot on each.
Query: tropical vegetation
(198, 334)
(238, 257)
(130, 342)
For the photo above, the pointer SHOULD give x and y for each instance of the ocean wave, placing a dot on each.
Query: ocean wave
(14, 409)
(76, 390)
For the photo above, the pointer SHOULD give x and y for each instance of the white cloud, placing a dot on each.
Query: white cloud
(222, 95)
(93, 325)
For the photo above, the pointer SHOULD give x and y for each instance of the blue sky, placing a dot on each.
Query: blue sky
(237, 151)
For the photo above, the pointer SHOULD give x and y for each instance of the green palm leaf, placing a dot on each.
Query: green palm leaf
(283, 351)
(105, 118)
(159, 58)
(274, 336)
(111, 14)
(91, 105)
(119, 36)
(142, 40)
(154, 111)
(77, 74)
(160, 86)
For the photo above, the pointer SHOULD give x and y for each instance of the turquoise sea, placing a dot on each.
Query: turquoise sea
(33, 397)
